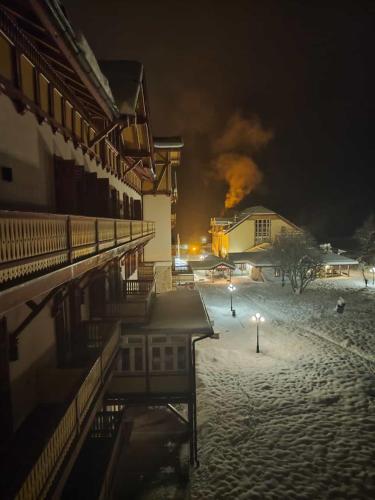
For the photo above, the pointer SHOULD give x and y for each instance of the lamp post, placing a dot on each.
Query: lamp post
(231, 289)
(257, 319)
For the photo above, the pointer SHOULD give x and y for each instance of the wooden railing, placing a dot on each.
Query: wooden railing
(41, 476)
(137, 287)
(34, 242)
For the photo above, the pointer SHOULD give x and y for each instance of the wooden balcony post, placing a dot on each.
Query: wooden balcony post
(6, 418)
(69, 239)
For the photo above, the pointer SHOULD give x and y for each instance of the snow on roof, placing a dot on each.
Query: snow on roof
(210, 262)
(82, 50)
(125, 78)
(334, 259)
(256, 259)
(168, 142)
(179, 311)
(258, 209)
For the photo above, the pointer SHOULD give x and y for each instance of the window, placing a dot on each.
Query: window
(181, 358)
(57, 106)
(7, 174)
(125, 359)
(168, 358)
(27, 78)
(170, 354)
(156, 358)
(138, 359)
(78, 125)
(44, 93)
(6, 61)
(68, 116)
(262, 230)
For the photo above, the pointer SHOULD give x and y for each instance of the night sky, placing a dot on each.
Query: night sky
(303, 72)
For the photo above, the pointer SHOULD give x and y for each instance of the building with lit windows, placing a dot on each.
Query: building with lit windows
(86, 195)
(250, 230)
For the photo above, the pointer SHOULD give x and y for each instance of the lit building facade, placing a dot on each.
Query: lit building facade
(85, 225)
(252, 229)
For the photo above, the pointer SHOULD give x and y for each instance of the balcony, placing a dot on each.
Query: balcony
(68, 398)
(35, 244)
(133, 304)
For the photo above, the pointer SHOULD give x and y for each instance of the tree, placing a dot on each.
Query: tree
(298, 257)
(365, 236)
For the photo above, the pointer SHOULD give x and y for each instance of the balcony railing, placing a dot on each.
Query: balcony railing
(45, 468)
(133, 305)
(137, 287)
(34, 242)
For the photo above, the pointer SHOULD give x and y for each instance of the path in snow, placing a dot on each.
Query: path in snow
(296, 421)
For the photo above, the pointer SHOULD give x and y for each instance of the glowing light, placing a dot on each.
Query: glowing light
(258, 318)
(231, 287)
(203, 239)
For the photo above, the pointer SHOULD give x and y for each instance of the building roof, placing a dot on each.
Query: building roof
(257, 210)
(125, 78)
(210, 263)
(262, 259)
(178, 311)
(255, 259)
(334, 259)
(168, 142)
(240, 217)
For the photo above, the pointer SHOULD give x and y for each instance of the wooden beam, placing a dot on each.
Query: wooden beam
(160, 178)
(132, 167)
(137, 153)
(104, 133)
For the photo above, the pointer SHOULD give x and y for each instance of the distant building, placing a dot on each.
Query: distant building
(250, 230)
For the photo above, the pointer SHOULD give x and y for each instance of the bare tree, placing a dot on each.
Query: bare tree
(365, 236)
(298, 257)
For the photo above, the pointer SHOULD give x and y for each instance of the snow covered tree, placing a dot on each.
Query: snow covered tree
(298, 257)
(365, 236)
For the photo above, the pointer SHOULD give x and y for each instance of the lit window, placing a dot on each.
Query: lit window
(262, 230)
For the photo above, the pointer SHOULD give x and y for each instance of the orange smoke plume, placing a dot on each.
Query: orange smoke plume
(234, 163)
(242, 134)
(241, 174)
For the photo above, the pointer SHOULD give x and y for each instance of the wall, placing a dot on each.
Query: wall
(277, 224)
(36, 349)
(32, 164)
(241, 238)
(159, 250)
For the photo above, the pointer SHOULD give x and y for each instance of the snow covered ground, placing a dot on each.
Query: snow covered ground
(296, 421)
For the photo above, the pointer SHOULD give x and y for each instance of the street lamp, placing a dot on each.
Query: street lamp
(258, 319)
(231, 289)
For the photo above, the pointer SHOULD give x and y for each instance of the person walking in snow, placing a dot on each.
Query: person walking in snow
(340, 306)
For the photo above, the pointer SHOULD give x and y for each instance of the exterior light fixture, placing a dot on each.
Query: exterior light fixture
(257, 318)
(231, 289)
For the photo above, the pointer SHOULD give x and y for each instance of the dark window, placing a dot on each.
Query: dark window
(7, 174)
(126, 359)
(168, 358)
(181, 358)
(156, 358)
(138, 358)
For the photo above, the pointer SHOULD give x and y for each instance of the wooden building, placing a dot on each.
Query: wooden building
(78, 224)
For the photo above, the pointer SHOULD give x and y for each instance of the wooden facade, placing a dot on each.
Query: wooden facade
(73, 237)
